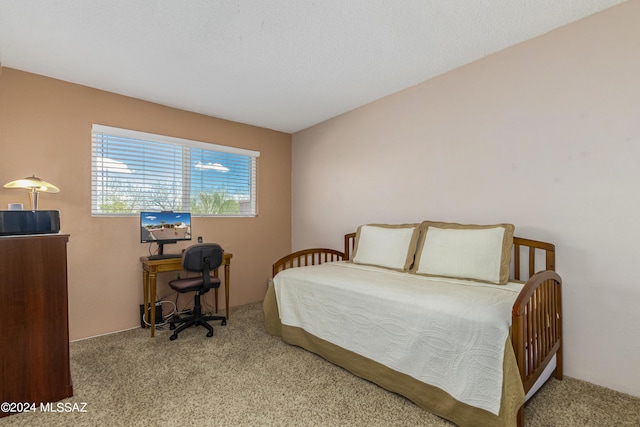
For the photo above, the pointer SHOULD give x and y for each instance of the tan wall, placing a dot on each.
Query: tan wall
(545, 135)
(45, 129)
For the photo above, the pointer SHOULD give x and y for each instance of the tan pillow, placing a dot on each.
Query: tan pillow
(476, 252)
(384, 245)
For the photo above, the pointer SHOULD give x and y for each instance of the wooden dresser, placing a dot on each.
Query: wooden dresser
(34, 340)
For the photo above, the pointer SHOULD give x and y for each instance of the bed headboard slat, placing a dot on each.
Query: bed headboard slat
(528, 249)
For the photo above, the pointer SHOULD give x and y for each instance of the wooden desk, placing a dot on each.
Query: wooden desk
(150, 269)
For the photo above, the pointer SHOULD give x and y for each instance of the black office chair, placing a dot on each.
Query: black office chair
(200, 258)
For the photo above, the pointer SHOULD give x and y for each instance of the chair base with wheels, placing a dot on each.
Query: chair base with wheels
(196, 318)
(200, 258)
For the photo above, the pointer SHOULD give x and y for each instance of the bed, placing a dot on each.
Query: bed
(469, 341)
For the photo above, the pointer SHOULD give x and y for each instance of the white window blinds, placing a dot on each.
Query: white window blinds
(135, 171)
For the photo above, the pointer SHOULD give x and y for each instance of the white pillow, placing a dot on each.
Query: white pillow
(386, 246)
(468, 253)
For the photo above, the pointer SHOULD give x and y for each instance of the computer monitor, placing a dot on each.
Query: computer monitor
(164, 227)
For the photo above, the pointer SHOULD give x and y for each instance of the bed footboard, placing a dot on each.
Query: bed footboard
(304, 257)
(537, 326)
(536, 317)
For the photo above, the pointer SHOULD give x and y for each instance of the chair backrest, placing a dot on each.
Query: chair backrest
(202, 257)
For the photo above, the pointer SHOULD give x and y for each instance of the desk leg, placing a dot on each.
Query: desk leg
(145, 293)
(227, 272)
(152, 301)
(215, 291)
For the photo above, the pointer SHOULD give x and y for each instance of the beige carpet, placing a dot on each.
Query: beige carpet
(244, 377)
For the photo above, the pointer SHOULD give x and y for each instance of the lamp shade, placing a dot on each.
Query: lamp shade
(33, 183)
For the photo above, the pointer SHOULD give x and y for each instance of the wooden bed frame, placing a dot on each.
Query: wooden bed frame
(536, 328)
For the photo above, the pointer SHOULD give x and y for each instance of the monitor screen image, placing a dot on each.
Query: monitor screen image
(165, 227)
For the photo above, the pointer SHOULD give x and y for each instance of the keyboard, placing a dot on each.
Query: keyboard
(164, 256)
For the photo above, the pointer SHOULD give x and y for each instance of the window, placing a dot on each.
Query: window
(134, 171)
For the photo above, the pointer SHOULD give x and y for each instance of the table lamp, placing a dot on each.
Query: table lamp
(35, 185)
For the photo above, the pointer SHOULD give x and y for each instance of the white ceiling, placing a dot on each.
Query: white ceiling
(279, 64)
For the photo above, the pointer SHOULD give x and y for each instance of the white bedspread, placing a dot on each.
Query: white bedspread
(447, 333)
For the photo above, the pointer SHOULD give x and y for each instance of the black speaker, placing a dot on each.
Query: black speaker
(148, 318)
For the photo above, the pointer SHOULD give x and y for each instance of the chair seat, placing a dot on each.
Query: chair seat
(192, 284)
